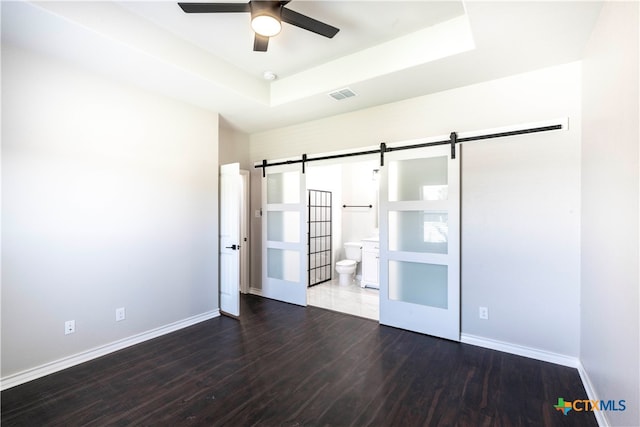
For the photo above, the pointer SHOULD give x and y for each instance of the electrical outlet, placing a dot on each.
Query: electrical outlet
(69, 327)
(120, 314)
(483, 313)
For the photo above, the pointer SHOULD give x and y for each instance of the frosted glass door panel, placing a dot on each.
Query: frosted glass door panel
(283, 264)
(418, 231)
(283, 187)
(418, 283)
(418, 179)
(283, 226)
(284, 242)
(420, 241)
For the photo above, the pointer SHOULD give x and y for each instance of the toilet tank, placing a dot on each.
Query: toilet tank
(353, 251)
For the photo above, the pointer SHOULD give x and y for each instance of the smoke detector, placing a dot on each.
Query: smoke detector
(269, 75)
(341, 94)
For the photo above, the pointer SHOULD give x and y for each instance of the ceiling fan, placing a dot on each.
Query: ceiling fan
(266, 18)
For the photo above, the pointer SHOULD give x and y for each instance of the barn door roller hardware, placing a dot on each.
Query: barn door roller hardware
(454, 138)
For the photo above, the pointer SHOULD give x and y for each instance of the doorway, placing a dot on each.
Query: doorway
(419, 251)
(234, 238)
(353, 188)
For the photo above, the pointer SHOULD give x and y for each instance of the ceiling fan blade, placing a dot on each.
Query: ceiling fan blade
(215, 7)
(310, 24)
(260, 43)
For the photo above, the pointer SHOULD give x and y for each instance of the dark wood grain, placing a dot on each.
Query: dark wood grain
(283, 365)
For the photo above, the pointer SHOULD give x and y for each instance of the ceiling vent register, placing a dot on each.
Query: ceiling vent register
(341, 94)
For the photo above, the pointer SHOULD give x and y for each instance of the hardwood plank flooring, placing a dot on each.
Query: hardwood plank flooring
(284, 365)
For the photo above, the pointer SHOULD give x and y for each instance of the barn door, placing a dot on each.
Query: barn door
(420, 242)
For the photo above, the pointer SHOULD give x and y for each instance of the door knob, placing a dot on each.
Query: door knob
(234, 247)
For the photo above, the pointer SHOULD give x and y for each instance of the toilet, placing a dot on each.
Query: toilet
(347, 267)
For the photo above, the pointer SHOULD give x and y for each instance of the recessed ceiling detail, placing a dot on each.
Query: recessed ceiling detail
(386, 51)
(419, 48)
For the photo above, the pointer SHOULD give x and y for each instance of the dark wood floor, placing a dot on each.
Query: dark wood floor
(283, 365)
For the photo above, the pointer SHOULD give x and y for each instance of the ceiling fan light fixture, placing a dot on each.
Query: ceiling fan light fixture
(266, 25)
(267, 17)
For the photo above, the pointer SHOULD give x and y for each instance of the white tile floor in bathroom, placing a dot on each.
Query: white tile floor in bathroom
(351, 299)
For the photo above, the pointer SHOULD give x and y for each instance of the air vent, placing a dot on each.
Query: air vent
(341, 94)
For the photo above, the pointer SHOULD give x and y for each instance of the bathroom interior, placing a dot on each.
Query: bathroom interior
(343, 237)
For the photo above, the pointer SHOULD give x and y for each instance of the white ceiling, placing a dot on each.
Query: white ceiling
(363, 24)
(385, 51)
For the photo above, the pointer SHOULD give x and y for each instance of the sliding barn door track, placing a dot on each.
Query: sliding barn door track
(453, 140)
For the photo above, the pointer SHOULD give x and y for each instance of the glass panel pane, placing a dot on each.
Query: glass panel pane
(418, 231)
(283, 187)
(283, 226)
(417, 283)
(283, 264)
(418, 179)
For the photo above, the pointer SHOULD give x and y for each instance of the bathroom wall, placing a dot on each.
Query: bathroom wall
(359, 188)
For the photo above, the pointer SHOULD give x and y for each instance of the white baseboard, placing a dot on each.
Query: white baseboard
(255, 291)
(67, 362)
(591, 394)
(533, 353)
(545, 356)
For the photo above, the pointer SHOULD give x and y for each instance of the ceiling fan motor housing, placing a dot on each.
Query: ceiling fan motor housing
(269, 8)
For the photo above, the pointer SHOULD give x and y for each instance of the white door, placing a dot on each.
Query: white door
(284, 237)
(420, 242)
(230, 198)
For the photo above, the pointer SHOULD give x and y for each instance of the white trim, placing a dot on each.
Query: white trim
(85, 356)
(532, 353)
(545, 356)
(601, 417)
(255, 291)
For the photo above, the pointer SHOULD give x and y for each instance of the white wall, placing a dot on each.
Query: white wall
(234, 146)
(610, 331)
(520, 197)
(109, 198)
(521, 239)
(358, 188)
